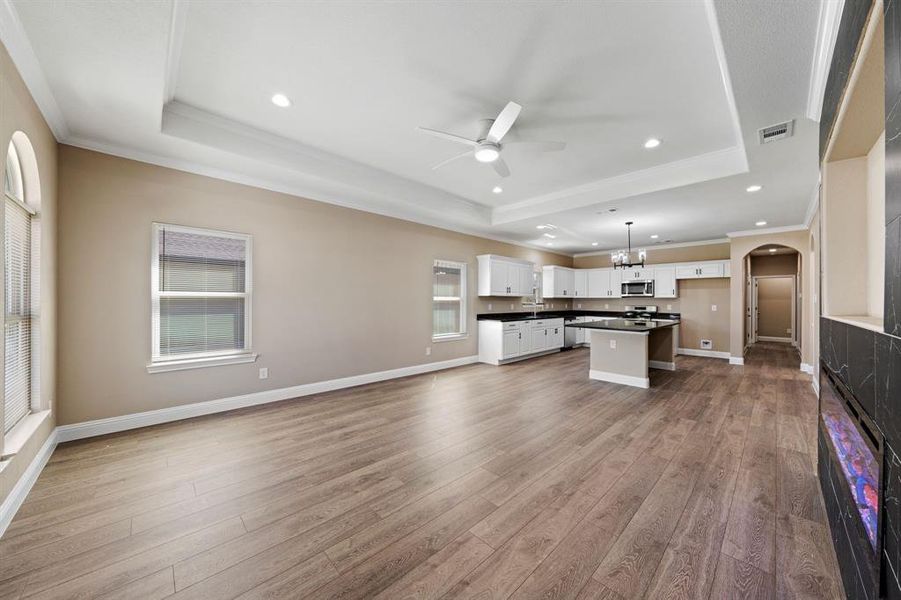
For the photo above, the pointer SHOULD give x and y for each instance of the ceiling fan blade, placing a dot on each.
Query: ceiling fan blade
(452, 159)
(540, 145)
(449, 136)
(501, 167)
(503, 122)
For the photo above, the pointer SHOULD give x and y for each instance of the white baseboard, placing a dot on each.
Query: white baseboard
(736, 360)
(707, 353)
(663, 365)
(17, 495)
(642, 382)
(77, 431)
(766, 338)
(807, 368)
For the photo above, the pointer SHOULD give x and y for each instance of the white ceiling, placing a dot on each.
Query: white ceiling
(187, 84)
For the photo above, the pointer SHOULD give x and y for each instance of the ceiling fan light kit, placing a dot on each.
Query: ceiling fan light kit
(487, 149)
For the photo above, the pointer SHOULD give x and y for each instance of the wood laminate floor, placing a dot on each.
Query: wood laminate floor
(522, 481)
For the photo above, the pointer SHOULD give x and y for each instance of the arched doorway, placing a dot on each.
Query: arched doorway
(772, 299)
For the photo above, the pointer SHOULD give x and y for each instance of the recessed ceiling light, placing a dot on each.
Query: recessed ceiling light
(760, 223)
(655, 236)
(594, 243)
(550, 243)
(549, 235)
(652, 143)
(487, 154)
(546, 226)
(753, 188)
(772, 249)
(497, 189)
(281, 101)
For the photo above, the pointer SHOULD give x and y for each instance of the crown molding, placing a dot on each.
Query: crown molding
(658, 247)
(812, 206)
(298, 191)
(173, 49)
(827, 32)
(13, 36)
(768, 230)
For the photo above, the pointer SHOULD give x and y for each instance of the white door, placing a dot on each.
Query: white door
(500, 277)
(539, 340)
(511, 343)
(526, 280)
(598, 283)
(616, 284)
(665, 282)
(580, 287)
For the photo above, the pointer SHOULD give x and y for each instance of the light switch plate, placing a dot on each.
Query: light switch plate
(613, 344)
(264, 372)
(428, 350)
(713, 307)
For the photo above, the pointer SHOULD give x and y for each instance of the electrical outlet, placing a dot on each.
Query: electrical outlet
(606, 306)
(788, 330)
(511, 306)
(613, 344)
(428, 350)
(713, 307)
(669, 307)
(264, 373)
(579, 305)
(706, 344)
(489, 306)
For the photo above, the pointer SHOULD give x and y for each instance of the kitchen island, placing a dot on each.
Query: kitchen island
(623, 350)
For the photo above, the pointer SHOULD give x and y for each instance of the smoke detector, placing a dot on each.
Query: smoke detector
(779, 131)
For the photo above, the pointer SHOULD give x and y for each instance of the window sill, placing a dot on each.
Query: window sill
(19, 435)
(199, 363)
(449, 338)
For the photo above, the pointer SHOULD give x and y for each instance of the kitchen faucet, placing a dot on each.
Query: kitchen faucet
(534, 304)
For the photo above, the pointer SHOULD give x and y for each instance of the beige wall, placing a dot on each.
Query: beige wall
(774, 306)
(875, 235)
(337, 292)
(18, 112)
(741, 246)
(656, 256)
(844, 218)
(778, 264)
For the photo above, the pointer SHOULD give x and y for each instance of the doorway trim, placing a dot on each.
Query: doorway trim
(754, 310)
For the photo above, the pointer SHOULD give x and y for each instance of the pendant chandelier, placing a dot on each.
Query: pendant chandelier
(623, 258)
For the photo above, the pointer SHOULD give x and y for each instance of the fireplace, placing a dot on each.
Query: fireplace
(855, 463)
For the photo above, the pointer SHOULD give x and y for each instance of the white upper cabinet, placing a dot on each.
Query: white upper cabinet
(604, 283)
(558, 282)
(581, 283)
(637, 273)
(665, 282)
(503, 276)
(704, 270)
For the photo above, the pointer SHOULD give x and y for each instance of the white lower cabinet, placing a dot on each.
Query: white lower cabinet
(504, 340)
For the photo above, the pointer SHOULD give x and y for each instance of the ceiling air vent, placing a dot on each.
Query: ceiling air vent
(776, 132)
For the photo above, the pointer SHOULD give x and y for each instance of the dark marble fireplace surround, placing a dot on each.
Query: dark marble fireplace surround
(868, 362)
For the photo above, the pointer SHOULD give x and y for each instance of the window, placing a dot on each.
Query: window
(448, 300)
(18, 322)
(201, 295)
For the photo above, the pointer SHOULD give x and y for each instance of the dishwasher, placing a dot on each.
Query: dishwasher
(570, 333)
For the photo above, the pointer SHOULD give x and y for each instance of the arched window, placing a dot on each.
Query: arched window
(20, 267)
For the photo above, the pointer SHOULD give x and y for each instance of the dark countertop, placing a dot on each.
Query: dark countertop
(560, 314)
(636, 325)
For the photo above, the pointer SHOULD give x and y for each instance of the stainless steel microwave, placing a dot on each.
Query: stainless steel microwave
(638, 287)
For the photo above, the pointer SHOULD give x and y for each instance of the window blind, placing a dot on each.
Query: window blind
(201, 297)
(18, 318)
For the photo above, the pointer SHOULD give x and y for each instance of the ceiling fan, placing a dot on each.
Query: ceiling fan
(487, 148)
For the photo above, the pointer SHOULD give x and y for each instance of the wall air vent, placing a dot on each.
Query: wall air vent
(776, 132)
